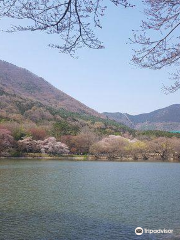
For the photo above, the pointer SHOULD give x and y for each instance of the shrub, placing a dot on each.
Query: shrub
(113, 146)
(49, 145)
(38, 133)
(81, 143)
(6, 142)
(63, 128)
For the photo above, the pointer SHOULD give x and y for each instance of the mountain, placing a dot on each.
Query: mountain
(22, 83)
(28, 99)
(166, 119)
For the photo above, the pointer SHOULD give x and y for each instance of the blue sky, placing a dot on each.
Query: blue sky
(104, 80)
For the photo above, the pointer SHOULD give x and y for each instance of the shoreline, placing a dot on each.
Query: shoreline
(89, 158)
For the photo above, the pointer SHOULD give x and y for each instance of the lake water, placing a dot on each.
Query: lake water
(54, 200)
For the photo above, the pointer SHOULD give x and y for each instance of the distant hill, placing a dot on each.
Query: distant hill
(167, 119)
(27, 98)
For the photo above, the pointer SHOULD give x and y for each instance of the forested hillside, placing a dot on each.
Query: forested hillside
(30, 100)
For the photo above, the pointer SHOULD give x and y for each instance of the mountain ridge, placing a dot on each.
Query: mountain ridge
(167, 118)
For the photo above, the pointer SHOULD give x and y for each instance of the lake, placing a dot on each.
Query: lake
(54, 200)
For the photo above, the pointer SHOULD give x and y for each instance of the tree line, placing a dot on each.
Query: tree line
(39, 140)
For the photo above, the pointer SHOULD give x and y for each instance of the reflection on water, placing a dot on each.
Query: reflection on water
(56, 200)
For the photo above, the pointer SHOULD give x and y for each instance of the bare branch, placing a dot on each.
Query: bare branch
(163, 22)
(72, 20)
(162, 16)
